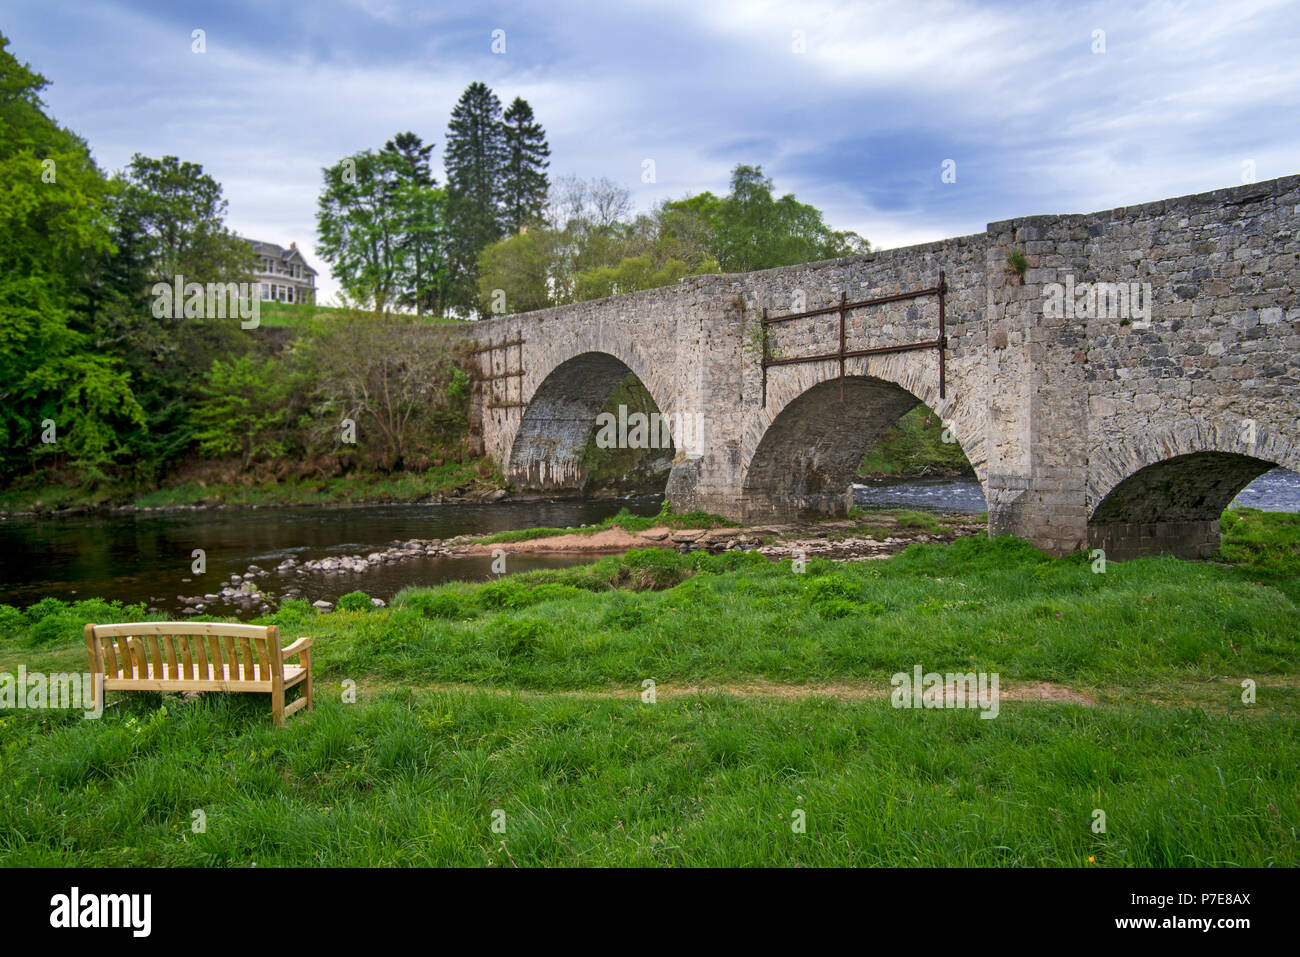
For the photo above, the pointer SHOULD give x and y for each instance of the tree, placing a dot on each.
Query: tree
(518, 272)
(54, 226)
(168, 222)
(176, 213)
(362, 228)
(415, 152)
(246, 409)
(397, 380)
(630, 275)
(754, 231)
(422, 210)
(524, 184)
(588, 249)
(475, 158)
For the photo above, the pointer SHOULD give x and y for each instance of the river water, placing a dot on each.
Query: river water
(146, 557)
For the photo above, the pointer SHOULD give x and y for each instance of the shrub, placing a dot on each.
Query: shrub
(517, 637)
(355, 601)
(293, 612)
(653, 568)
(435, 604)
(623, 612)
(506, 593)
(44, 609)
(11, 622)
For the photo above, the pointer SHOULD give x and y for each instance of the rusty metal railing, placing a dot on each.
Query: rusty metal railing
(843, 307)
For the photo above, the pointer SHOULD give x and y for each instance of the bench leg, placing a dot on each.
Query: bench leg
(277, 701)
(306, 689)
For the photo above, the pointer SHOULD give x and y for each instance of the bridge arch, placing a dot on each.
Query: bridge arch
(807, 455)
(561, 415)
(1164, 493)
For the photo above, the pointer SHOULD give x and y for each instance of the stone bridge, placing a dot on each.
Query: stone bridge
(1125, 421)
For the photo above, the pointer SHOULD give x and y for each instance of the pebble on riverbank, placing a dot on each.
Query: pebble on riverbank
(874, 536)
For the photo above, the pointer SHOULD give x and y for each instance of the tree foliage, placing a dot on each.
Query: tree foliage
(475, 163)
(54, 224)
(523, 181)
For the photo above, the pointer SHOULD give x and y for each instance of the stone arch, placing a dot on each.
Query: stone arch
(559, 418)
(807, 457)
(1163, 494)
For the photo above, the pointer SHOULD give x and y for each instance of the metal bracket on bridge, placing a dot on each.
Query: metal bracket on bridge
(842, 307)
(493, 377)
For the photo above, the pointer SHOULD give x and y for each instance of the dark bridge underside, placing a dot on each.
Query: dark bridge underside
(1173, 506)
(547, 451)
(809, 457)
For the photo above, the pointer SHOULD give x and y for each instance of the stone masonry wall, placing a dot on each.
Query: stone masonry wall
(1059, 414)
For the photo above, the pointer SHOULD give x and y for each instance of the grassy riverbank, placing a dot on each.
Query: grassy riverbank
(478, 475)
(1122, 692)
(914, 446)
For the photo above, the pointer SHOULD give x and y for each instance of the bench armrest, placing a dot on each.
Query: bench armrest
(302, 644)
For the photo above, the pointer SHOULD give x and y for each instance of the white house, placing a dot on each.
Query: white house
(283, 274)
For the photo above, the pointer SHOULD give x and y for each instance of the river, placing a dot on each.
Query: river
(146, 556)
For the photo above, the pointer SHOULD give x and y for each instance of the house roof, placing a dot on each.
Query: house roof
(274, 251)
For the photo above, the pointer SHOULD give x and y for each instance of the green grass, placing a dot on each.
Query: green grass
(914, 446)
(1264, 540)
(522, 695)
(414, 778)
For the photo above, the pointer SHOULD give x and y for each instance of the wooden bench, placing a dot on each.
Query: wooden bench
(200, 656)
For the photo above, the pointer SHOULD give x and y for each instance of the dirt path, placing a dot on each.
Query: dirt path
(755, 690)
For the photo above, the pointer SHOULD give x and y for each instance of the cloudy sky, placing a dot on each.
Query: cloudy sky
(852, 106)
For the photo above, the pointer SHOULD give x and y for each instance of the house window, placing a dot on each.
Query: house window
(266, 291)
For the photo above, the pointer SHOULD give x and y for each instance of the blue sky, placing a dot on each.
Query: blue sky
(858, 122)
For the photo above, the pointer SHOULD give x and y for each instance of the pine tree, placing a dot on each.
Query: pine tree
(475, 161)
(524, 183)
(422, 208)
(411, 148)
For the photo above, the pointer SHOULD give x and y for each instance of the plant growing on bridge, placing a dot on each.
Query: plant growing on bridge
(1017, 264)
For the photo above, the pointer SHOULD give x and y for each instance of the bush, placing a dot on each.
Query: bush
(623, 612)
(506, 593)
(516, 637)
(653, 568)
(44, 609)
(51, 621)
(355, 601)
(435, 604)
(293, 612)
(11, 623)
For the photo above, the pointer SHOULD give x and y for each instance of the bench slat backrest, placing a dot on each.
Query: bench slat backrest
(185, 651)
